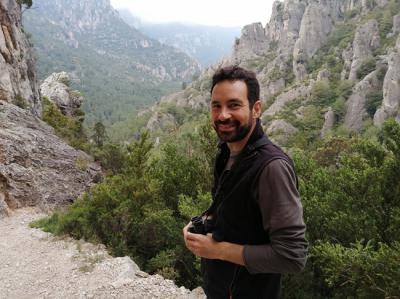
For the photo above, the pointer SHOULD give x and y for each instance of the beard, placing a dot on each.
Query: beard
(238, 133)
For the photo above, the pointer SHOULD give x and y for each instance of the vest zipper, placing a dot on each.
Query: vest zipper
(235, 274)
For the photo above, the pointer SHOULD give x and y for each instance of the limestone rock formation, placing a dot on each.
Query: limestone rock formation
(189, 98)
(391, 89)
(56, 89)
(366, 40)
(162, 121)
(316, 25)
(280, 130)
(396, 24)
(356, 110)
(17, 71)
(329, 122)
(252, 41)
(299, 92)
(37, 168)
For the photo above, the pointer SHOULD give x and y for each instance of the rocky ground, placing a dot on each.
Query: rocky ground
(35, 264)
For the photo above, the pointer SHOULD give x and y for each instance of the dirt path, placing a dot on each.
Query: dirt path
(34, 264)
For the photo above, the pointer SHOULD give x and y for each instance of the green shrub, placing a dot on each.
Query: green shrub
(373, 100)
(68, 128)
(21, 102)
(366, 67)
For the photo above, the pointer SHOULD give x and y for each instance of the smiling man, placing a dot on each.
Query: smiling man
(255, 228)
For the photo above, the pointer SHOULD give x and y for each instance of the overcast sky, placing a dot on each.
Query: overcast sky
(205, 12)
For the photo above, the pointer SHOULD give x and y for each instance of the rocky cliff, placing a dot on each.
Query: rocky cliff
(37, 168)
(18, 80)
(319, 56)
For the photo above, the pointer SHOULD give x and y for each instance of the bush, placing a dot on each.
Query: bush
(68, 128)
(374, 99)
(366, 67)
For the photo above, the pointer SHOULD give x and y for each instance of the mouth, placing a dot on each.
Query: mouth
(226, 127)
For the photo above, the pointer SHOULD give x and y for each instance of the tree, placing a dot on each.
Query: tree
(100, 135)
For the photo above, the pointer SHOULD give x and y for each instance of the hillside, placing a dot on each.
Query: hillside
(118, 69)
(325, 68)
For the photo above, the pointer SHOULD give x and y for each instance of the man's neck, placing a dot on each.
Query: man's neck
(239, 145)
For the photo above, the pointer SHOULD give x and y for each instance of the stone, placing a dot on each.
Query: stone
(391, 89)
(302, 91)
(329, 122)
(18, 80)
(56, 89)
(252, 42)
(366, 40)
(396, 24)
(323, 75)
(38, 168)
(316, 25)
(161, 121)
(280, 130)
(355, 106)
(197, 293)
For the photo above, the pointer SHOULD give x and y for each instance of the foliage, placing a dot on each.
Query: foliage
(350, 193)
(100, 135)
(373, 100)
(140, 209)
(68, 128)
(21, 102)
(27, 3)
(360, 271)
(366, 67)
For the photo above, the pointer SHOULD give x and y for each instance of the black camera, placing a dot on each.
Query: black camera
(197, 226)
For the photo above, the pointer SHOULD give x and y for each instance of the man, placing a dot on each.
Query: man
(257, 231)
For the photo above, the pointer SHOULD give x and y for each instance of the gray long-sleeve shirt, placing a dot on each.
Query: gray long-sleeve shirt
(282, 216)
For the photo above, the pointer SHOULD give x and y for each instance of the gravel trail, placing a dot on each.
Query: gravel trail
(35, 264)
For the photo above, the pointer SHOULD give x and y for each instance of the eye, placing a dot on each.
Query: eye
(215, 106)
(234, 106)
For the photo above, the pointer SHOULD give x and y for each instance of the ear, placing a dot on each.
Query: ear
(256, 109)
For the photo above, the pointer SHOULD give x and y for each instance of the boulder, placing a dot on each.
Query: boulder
(38, 168)
(56, 89)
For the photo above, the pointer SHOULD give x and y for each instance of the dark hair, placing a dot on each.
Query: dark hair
(233, 73)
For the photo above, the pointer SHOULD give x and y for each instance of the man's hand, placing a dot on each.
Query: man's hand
(201, 245)
(207, 247)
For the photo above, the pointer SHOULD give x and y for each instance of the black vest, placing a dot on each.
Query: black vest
(238, 220)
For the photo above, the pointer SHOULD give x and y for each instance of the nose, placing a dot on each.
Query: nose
(224, 114)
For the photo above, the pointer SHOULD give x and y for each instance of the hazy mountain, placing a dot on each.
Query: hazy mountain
(207, 44)
(118, 68)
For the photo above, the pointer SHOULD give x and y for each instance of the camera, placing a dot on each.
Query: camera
(197, 226)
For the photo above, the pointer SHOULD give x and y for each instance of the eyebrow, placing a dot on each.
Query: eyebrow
(229, 101)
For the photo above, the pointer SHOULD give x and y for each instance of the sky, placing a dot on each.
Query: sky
(227, 13)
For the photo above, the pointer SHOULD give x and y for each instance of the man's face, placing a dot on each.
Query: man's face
(231, 115)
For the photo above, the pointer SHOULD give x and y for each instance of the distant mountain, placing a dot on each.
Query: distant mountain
(207, 44)
(118, 68)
